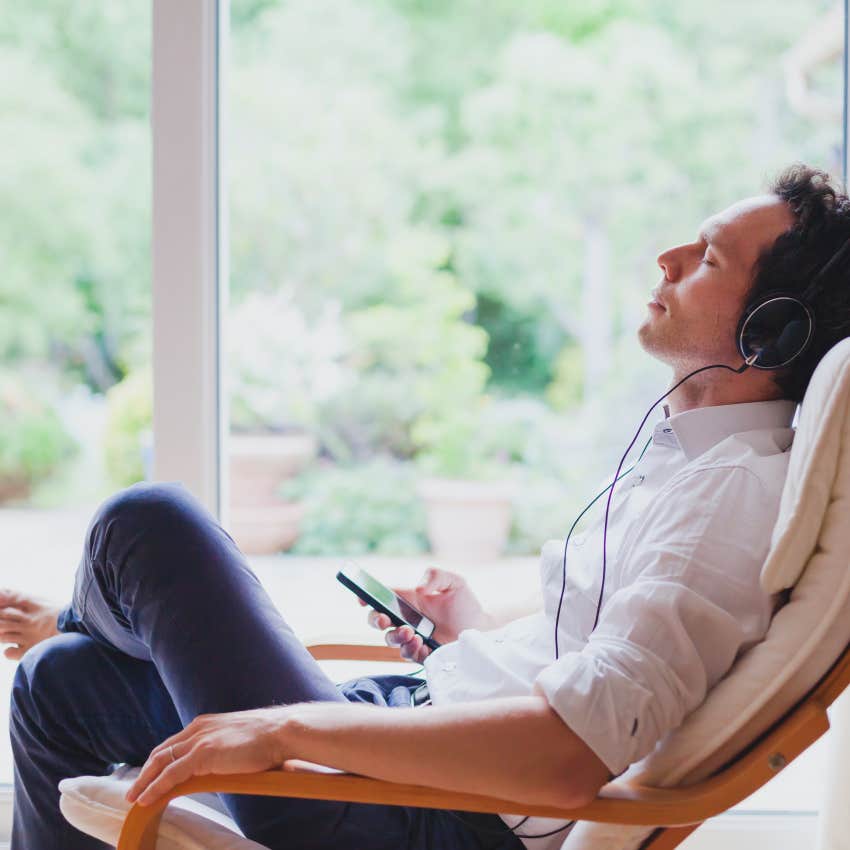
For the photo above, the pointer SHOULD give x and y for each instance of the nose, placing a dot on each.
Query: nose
(670, 263)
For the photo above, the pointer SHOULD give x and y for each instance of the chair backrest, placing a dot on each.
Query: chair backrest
(810, 553)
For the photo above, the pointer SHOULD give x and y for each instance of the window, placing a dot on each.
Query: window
(75, 340)
(443, 225)
(443, 219)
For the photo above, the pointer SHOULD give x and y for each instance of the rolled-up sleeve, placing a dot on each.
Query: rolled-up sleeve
(689, 599)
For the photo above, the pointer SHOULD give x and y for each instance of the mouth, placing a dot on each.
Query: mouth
(655, 301)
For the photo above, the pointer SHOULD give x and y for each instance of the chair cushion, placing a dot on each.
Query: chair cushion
(96, 805)
(810, 546)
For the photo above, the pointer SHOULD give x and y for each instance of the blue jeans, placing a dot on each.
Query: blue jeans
(168, 622)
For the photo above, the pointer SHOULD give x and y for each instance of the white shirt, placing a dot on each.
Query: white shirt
(688, 532)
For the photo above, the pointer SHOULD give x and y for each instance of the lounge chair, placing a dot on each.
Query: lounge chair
(767, 710)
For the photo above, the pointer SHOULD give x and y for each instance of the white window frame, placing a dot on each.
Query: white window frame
(189, 246)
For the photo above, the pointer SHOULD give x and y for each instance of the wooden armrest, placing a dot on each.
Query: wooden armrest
(354, 652)
(619, 802)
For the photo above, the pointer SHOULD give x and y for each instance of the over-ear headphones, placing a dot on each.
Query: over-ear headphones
(777, 328)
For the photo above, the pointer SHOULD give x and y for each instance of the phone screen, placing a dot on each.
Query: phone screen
(390, 600)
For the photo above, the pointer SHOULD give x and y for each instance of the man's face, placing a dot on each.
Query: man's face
(695, 309)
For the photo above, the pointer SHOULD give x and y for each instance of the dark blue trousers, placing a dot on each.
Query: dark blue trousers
(168, 622)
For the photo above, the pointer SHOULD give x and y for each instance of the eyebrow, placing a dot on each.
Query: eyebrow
(709, 237)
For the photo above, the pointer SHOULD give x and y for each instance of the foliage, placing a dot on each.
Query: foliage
(280, 366)
(434, 204)
(33, 440)
(370, 508)
(567, 387)
(129, 418)
(411, 357)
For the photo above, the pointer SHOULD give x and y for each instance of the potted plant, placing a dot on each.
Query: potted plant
(33, 440)
(466, 486)
(280, 367)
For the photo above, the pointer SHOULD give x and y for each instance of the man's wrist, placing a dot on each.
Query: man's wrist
(289, 730)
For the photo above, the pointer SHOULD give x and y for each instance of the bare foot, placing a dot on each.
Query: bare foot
(24, 622)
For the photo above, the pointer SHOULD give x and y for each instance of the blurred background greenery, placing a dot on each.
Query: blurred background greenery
(443, 224)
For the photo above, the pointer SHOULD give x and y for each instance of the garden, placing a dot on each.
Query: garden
(443, 224)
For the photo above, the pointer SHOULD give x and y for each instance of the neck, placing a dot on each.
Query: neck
(719, 386)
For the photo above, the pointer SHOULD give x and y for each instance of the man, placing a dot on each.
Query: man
(171, 653)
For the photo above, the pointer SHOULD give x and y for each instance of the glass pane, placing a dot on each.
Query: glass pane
(444, 224)
(75, 394)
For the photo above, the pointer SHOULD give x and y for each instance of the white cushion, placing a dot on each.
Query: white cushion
(96, 805)
(810, 546)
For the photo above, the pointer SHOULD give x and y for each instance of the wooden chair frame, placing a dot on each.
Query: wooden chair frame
(675, 812)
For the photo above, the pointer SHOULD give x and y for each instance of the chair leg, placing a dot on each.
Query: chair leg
(668, 837)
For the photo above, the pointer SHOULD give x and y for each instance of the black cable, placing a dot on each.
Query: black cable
(589, 505)
(487, 831)
(610, 490)
(746, 365)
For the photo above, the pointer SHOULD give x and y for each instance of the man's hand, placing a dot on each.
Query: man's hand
(443, 597)
(25, 621)
(238, 742)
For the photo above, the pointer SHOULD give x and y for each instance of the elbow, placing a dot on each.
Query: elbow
(572, 792)
(573, 784)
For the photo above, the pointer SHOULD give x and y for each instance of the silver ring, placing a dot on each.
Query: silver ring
(171, 751)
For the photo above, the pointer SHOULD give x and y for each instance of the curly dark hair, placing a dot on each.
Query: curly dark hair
(822, 225)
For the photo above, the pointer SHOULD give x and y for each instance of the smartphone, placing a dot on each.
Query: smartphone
(387, 601)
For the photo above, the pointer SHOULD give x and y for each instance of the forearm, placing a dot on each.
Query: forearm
(515, 748)
(506, 613)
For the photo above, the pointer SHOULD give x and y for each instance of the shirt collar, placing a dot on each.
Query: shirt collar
(696, 431)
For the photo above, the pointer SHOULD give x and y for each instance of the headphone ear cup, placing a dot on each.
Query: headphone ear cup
(777, 329)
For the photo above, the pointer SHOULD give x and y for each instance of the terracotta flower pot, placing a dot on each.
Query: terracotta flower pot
(467, 520)
(261, 522)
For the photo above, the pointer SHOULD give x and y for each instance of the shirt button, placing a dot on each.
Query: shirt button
(449, 667)
(498, 640)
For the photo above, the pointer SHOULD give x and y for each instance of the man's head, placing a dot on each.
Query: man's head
(773, 242)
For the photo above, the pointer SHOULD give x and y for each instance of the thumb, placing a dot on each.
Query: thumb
(409, 593)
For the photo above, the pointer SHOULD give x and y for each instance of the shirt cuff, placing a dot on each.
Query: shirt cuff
(604, 707)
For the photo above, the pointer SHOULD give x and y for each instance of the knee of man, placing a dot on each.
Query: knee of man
(148, 505)
(46, 672)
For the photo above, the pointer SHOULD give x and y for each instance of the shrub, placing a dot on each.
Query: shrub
(33, 440)
(370, 508)
(129, 416)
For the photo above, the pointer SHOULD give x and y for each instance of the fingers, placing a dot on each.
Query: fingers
(435, 581)
(12, 615)
(163, 773)
(9, 597)
(12, 637)
(14, 653)
(162, 758)
(379, 621)
(410, 645)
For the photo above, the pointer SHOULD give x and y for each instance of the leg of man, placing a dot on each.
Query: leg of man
(77, 707)
(161, 581)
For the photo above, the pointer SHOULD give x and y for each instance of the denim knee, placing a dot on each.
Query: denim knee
(150, 529)
(148, 504)
(158, 509)
(44, 680)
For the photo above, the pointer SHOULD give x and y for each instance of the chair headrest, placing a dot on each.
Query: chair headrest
(823, 427)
